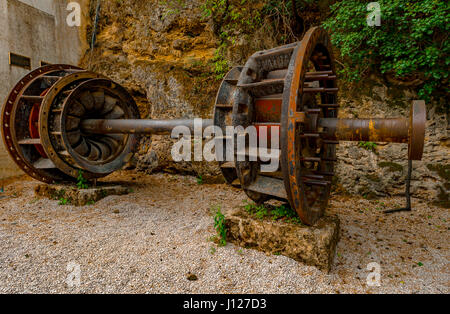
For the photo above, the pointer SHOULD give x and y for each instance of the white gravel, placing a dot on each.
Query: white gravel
(161, 232)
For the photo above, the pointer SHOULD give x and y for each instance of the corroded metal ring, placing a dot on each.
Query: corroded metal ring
(306, 175)
(50, 112)
(222, 118)
(418, 118)
(289, 88)
(97, 99)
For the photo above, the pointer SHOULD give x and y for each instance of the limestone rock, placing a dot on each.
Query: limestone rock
(78, 197)
(314, 245)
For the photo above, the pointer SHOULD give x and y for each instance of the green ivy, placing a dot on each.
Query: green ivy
(411, 41)
(233, 19)
(82, 183)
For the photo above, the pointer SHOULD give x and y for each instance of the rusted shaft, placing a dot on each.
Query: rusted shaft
(130, 126)
(393, 130)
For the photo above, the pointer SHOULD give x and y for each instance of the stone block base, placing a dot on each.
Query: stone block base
(78, 197)
(314, 245)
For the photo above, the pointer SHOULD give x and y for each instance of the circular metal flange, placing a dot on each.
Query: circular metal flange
(222, 118)
(307, 172)
(97, 153)
(417, 120)
(23, 101)
(49, 129)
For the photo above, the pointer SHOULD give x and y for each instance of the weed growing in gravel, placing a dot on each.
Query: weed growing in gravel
(219, 225)
(199, 180)
(63, 201)
(81, 181)
(283, 212)
(34, 200)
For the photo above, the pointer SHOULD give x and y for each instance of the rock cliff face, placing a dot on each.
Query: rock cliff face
(165, 53)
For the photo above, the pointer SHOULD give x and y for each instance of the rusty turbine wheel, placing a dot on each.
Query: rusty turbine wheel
(293, 89)
(19, 120)
(290, 88)
(39, 122)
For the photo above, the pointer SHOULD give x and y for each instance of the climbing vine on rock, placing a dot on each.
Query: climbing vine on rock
(261, 23)
(411, 44)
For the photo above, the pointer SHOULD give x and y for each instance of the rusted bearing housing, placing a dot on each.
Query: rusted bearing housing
(40, 124)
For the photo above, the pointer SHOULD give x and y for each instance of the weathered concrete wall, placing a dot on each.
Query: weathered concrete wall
(36, 29)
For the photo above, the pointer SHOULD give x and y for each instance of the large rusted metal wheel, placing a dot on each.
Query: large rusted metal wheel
(40, 124)
(290, 88)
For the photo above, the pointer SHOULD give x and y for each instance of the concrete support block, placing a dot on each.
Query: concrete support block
(314, 245)
(78, 197)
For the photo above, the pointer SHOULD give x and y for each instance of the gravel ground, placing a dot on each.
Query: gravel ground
(153, 239)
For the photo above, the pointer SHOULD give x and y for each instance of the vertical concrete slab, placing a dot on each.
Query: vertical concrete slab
(7, 166)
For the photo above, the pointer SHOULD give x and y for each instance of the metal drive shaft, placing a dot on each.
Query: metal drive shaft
(394, 130)
(133, 126)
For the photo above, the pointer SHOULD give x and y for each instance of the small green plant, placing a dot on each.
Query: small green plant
(282, 212)
(58, 195)
(34, 200)
(285, 212)
(370, 146)
(81, 181)
(219, 225)
(63, 201)
(220, 64)
(199, 179)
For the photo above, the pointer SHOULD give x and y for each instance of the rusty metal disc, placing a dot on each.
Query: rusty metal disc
(418, 118)
(49, 129)
(288, 89)
(23, 147)
(307, 159)
(257, 103)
